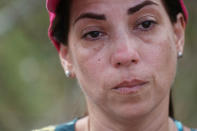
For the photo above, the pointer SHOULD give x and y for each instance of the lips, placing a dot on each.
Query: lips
(128, 87)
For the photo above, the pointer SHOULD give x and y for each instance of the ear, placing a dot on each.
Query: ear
(66, 60)
(179, 30)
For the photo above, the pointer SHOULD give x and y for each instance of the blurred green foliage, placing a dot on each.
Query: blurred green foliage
(33, 89)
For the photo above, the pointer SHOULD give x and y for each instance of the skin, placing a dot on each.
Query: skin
(124, 49)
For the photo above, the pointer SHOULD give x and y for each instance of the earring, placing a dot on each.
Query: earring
(180, 54)
(67, 72)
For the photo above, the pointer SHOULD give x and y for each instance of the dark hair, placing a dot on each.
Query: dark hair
(60, 27)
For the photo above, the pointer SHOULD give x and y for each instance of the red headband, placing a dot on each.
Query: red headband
(52, 4)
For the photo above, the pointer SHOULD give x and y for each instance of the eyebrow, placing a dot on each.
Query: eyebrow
(138, 7)
(131, 10)
(91, 16)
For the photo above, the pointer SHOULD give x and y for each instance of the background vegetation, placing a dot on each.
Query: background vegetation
(34, 91)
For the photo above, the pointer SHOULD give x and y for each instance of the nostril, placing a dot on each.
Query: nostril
(133, 61)
(118, 64)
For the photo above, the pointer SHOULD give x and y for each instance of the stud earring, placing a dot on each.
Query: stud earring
(67, 72)
(180, 54)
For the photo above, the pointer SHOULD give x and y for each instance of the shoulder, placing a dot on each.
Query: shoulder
(69, 126)
(181, 127)
(189, 129)
(48, 128)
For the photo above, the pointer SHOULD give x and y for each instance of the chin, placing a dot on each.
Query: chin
(133, 111)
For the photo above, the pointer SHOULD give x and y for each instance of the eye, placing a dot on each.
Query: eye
(146, 25)
(93, 35)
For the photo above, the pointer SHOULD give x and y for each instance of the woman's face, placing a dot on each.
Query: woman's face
(123, 53)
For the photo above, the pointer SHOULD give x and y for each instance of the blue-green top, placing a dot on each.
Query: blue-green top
(70, 126)
(180, 126)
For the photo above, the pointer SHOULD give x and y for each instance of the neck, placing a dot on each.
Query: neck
(155, 120)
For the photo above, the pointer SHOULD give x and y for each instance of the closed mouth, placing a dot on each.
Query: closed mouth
(132, 86)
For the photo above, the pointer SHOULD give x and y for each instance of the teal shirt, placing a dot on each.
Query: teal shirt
(70, 126)
(180, 126)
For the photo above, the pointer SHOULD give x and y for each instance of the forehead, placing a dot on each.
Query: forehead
(99, 4)
(105, 6)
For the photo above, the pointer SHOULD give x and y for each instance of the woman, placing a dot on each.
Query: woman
(124, 55)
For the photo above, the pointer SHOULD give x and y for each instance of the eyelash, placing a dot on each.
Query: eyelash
(151, 24)
(139, 26)
(88, 36)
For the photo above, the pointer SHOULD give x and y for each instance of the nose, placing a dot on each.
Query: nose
(125, 54)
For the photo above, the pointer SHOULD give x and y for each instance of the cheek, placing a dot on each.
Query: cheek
(161, 60)
(89, 66)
